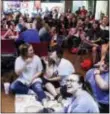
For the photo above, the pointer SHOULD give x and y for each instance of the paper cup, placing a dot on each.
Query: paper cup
(6, 87)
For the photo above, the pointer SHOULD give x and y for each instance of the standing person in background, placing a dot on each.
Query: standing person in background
(68, 12)
(55, 14)
(28, 67)
(99, 81)
(69, 18)
(74, 21)
(78, 11)
(83, 12)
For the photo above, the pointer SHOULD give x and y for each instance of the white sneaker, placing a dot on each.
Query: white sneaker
(44, 103)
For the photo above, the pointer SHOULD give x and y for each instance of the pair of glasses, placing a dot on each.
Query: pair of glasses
(71, 81)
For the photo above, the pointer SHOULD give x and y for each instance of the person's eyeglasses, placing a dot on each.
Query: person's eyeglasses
(71, 81)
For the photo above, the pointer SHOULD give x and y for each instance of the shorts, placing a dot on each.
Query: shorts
(55, 83)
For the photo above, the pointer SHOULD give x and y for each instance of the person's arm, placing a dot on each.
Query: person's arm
(18, 68)
(57, 78)
(89, 74)
(8, 31)
(14, 36)
(36, 76)
(39, 70)
(86, 40)
(100, 81)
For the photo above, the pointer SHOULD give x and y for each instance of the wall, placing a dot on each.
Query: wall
(101, 6)
(68, 5)
(79, 3)
(59, 6)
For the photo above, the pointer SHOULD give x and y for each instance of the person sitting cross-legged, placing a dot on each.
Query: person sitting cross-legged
(28, 67)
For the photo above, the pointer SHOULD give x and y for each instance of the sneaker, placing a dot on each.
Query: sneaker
(60, 98)
(44, 103)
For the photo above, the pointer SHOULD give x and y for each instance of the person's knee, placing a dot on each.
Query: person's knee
(38, 86)
(13, 87)
(48, 85)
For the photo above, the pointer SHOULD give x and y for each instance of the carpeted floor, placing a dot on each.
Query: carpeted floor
(7, 101)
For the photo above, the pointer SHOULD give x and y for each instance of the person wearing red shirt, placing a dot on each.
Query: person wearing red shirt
(83, 11)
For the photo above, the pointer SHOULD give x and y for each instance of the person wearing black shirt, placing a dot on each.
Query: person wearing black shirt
(95, 36)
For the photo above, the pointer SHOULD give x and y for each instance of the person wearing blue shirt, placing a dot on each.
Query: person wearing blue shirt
(81, 100)
(29, 36)
(99, 81)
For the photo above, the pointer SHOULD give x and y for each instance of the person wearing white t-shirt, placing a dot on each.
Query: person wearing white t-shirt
(28, 67)
(65, 68)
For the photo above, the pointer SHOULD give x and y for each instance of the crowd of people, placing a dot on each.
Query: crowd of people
(56, 74)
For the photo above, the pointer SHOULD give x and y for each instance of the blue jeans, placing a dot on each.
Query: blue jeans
(20, 88)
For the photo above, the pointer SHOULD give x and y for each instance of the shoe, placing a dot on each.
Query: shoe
(44, 103)
(59, 99)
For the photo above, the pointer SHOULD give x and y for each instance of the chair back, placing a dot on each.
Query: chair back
(40, 49)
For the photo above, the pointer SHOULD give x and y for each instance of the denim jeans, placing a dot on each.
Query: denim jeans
(19, 88)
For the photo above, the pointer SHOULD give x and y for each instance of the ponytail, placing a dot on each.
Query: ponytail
(85, 85)
(44, 67)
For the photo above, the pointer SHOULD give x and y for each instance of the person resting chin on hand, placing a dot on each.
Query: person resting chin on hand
(28, 67)
(99, 81)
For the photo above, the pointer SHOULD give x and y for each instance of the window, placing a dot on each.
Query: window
(51, 0)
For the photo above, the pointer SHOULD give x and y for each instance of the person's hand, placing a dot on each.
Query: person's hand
(96, 71)
(29, 60)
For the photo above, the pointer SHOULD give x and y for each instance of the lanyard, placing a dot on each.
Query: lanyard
(68, 108)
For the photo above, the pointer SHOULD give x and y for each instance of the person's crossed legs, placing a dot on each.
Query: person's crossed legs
(19, 88)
